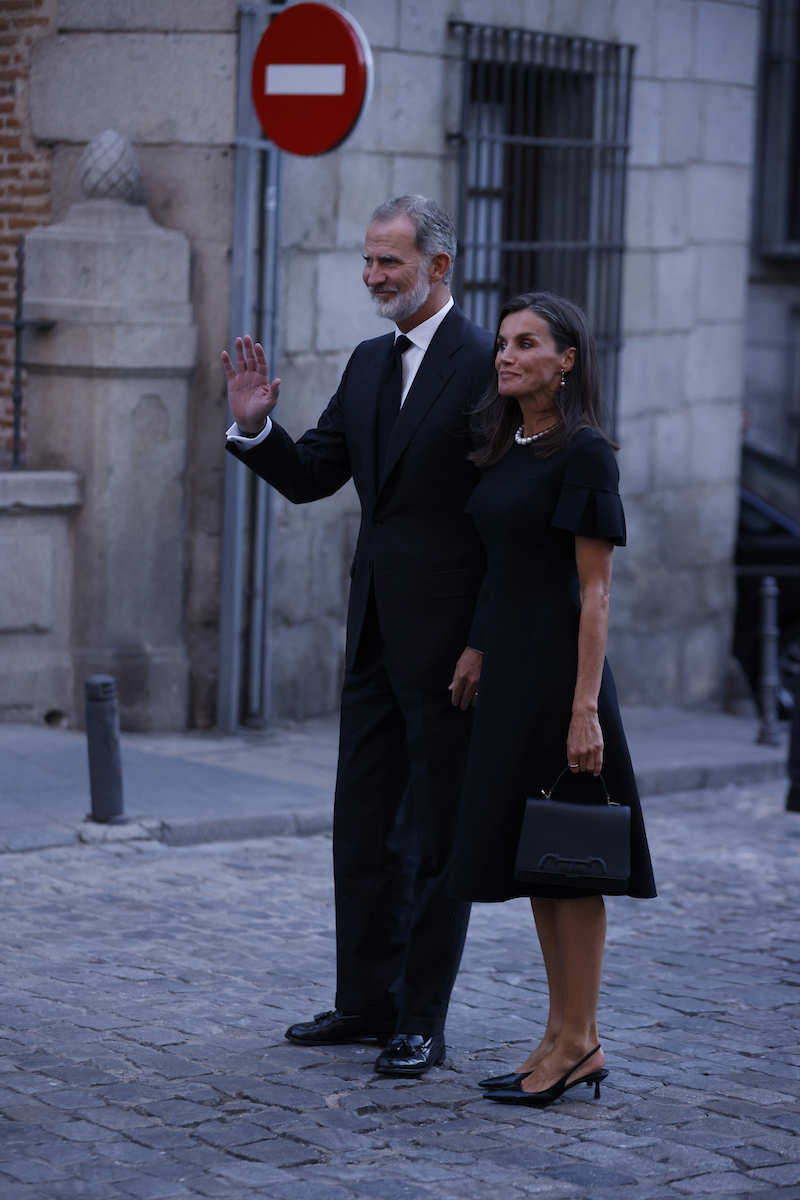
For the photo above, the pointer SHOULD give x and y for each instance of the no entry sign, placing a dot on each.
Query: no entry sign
(312, 75)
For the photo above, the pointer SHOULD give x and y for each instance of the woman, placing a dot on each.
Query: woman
(548, 510)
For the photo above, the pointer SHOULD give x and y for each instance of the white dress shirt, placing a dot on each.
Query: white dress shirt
(420, 337)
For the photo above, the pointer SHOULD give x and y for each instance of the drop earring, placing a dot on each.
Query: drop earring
(563, 378)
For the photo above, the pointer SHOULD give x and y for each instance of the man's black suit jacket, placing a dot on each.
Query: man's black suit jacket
(416, 546)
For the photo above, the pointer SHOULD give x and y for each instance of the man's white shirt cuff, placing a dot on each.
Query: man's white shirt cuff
(234, 434)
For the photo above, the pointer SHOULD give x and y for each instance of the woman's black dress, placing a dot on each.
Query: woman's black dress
(528, 510)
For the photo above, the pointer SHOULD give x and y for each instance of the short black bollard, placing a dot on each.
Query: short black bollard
(102, 736)
(793, 795)
(769, 732)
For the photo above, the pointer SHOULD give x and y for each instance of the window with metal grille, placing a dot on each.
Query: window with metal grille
(543, 152)
(778, 178)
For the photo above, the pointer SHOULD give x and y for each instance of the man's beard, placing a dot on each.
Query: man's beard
(403, 305)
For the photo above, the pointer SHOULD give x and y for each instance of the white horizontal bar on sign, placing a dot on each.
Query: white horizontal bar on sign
(305, 79)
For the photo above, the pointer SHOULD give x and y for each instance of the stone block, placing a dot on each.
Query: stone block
(704, 657)
(38, 511)
(189, 188)
(107, 261)
(672, 450)
(299, 278)
(633, 22)
(345, 313)
(36, 682)
(312, 550)
(309, 200)
(28, 602)
(726, 42)
(670, 208)
(721, 281)
(425, 175)
(211, 295)
(514, 13)
(715, 361)
(646, 118)
(635, 456)
(650, 521)
(664, 598)
(716, 589)
(175, 17)
(704, 528)
(409, 104)
(728, 126)
(639, 208)
(647, 667)
(314, 651)
(423, 27)
(719, 203)
(32, 491)
(193, 103)
(715, 435)
(652, 375)
(379, 22)
(673, 40)
(594, 19)
(307, 384)
(675, 298)
(364, 182)
(681, 127)
(638, 291)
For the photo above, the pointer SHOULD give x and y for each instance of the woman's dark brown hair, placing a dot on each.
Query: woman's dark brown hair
(496, 418)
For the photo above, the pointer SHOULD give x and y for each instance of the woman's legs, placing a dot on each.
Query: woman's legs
(544, 914)
(572, 936)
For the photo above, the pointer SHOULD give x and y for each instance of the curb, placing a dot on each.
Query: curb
(176, 833)
(657, 781)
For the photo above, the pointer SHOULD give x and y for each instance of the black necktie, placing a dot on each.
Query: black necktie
(390, 395)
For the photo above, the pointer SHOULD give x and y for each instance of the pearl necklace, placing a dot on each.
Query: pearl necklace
(534, 437)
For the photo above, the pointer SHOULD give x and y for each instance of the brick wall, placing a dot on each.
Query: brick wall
(24, 174)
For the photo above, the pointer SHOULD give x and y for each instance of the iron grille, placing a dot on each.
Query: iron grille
(778, 177)
(543, 152)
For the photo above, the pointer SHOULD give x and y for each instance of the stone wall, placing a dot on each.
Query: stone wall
(682, 367)
(24, 174)
(164, 75)
(684, 295)
(38, 514)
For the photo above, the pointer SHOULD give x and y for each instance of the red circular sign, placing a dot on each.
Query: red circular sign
(311, 78)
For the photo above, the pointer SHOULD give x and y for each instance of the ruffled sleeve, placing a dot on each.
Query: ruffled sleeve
(589, 504)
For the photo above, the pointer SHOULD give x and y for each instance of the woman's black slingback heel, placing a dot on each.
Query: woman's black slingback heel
(509, 1080)
(513, 1093)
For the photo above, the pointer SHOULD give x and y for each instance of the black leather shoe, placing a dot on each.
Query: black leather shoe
(333, 1028)
(509, 1080)
(514, 1094)
(411, 1054)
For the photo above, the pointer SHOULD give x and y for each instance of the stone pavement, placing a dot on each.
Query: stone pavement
(198, 787)
(149, 979)
(146, 990)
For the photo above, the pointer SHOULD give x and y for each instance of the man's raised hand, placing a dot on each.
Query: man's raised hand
(251, 396)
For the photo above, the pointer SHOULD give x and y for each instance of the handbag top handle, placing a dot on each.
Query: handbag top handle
(549, 793)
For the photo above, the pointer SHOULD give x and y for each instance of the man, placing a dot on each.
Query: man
(398, 424)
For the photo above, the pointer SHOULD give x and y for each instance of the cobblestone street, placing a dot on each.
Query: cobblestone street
(146, 991)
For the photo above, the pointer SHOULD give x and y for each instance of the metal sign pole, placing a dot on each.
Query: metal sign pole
(244, 635)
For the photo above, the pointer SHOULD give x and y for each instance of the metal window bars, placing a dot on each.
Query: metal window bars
(777, 196)
(543, 148)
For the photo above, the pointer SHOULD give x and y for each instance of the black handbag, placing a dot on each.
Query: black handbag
(583, 846)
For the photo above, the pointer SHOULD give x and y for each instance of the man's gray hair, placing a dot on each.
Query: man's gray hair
(436, 232)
